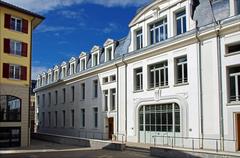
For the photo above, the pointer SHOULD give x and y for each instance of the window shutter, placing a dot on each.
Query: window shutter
(5, 70)
(7, 21)
(23, 73)
(24, 49)
(6, 45)
(24, 26)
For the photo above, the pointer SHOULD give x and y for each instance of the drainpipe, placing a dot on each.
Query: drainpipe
(117, 99)
(200, 84)
(125, 96)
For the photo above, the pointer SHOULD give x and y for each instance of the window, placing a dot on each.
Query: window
(105, 92)
(113, 78)
(181, 22)
(158, 31)
(83, 64)
(105, 80)
(72, 114)
(56, 118)
(95, 112)
(64, 72)
(83, 117)
(49, 119)
(160, 118)
(56, 75)
(95, 87)
(64, 95)
(234, 81)
(38, 100)
(43, 100)
(113, 99)
(158, 75)
(95, 59)
(64, 118)
(50, 78)
(237, 6)
(49, 98)
(15, 47)
(56, 97)
(139, 39)
(83, 91)
(16, 24)
(10, 108)
(234, 48)
(109, 54)
(10, 137)
(43, 119)
(138, 76)
(73, 93)
(72, 68)
(181, 70)
(15, 72)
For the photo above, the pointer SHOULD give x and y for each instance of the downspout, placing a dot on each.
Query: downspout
(30, 84)
(200, 85)
(117, 99)
(125, 96)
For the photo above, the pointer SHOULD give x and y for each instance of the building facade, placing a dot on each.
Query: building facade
(16, 26)
(173, 80)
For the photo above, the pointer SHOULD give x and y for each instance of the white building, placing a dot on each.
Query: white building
(175, 79)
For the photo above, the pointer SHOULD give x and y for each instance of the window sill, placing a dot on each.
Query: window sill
(16, 55)
(181, 84)
(138, 91)
(162, 87)
(233, 103)
(231, 54)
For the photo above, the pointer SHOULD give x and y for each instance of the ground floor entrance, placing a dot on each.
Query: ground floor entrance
(110, 127)
(238, 131)
(161, 119)
(10, 136)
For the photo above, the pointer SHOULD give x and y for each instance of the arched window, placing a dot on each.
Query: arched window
(10, 108)
(160, 118)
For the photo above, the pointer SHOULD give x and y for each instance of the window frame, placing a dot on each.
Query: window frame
(139, 36)
(113, 99)
(13, 75)
(182, 21)
(136, 75)
(236, 77)
(14, 46)
(15, 27)
(182, 65)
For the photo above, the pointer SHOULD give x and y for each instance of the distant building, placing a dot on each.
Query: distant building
(16, 28)
(175, 76)
(33, 109)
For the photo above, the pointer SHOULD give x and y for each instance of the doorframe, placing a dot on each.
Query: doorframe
(109, 126)
(237, 132)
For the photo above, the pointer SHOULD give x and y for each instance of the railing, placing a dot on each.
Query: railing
(172, 142)
(101, 135)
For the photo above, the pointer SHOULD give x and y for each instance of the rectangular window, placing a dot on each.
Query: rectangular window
(43, 119)
(43, 100)
(49, 119)
(105, 80)
(95, 113)
(49, 98)
(64, 118)
(83, 117)
(181, 70)
(83, 64)
(72, 68)
(64, 95)
(158, 75)
(181, 26)
(15, 47)
(138, 76)
(73, 93)
(15, 72)
(139, 39)
(113, 78)
(234, 48)
(56, 118)
(237, 6)
(158, 31)
(95, 88)
(56, 97)
(113, 99)
(109, 56)
(234, 87)
(105, 92)
(64, 72)
(72, 114)
(16, 24)
(83, 90)
(38, 100)
(95, 59)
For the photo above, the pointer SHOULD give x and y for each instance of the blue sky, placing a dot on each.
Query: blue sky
(72, 26)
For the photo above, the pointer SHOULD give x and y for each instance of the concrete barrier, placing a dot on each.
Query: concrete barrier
(82, 142)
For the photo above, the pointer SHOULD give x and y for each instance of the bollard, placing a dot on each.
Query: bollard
(172, 142)
(192, 144)
(154, 141)
(216, 146)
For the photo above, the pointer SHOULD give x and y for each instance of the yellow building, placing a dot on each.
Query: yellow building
(16, 26)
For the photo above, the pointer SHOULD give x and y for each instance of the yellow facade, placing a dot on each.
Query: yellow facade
(16, 87)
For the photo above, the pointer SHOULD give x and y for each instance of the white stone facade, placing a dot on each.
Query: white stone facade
(204, 111)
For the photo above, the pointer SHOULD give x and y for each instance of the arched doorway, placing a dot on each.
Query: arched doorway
(158, 119)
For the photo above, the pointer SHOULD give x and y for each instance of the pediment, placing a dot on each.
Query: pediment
(73, 59)
(108, 42)
(56, 67)
(95, 48)
(82, 54)
(44, 73)
(63, 63)
(49, 70)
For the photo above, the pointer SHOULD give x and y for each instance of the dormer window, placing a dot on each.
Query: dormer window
(56, 75)
(109, 54)
(139, 39)
(237, 3)
(83, 64)
(64, 72)
(181, 26)
(95, 59)
(72, 68)
(158, 31)
(49, 78)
